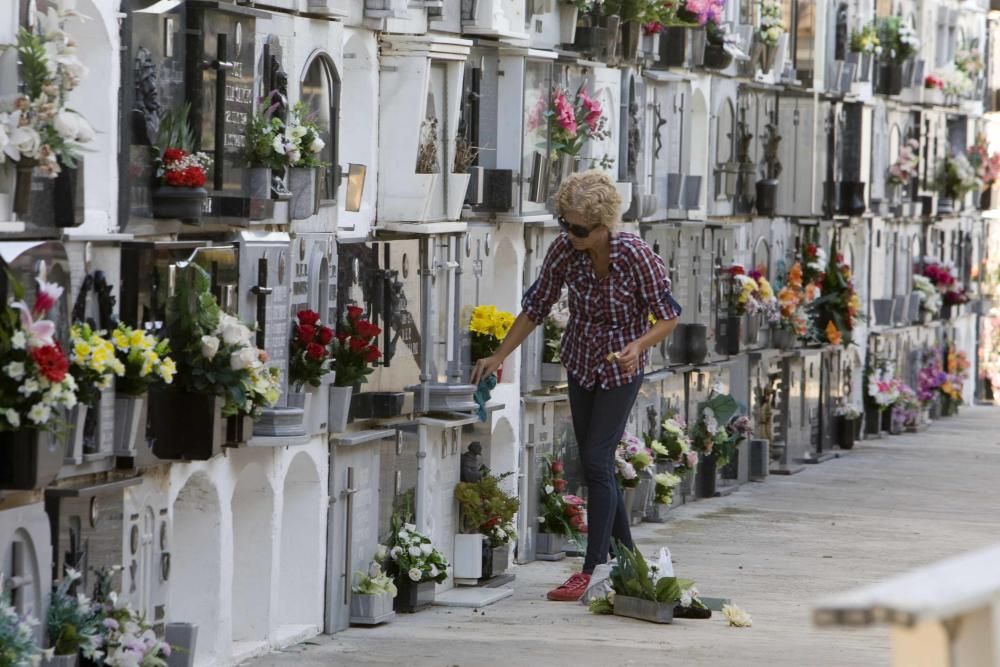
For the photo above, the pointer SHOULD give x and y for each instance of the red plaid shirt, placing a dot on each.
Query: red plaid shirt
(605, 314)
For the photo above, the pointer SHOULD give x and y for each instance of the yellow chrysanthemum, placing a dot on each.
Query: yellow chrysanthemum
(118, 367)
(481, 325)
(502, 324)
(138, 340)
(81, 350)
(166, 370)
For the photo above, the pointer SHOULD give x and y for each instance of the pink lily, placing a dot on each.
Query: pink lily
(40, 333)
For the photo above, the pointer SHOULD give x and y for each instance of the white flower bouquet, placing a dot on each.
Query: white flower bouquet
(413, 557)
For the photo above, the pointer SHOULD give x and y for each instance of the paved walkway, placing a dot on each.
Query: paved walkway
(887, 506)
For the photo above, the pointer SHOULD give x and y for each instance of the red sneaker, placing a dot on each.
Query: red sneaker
(572, 590)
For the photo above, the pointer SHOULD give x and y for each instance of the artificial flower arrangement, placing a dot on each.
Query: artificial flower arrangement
(944, 277)
(277, 143)
(674, 445)
(955, 82)
(969, 59)
(742, 290)
(764, 296)
(631, 458)
(488, 327)
(933, 82)
(664, 484)
(301, 140)
(957, 368)
(178, 165)
(906, 410)
(144, 359)
(930, 297)
(72, 622)
(986, 164)
(989, 366)
(849, 411)
(126, 639)
(899, 41)
(814, 263)
(36, 378)
(720, 427)
(792, 303)
(412, 556)
(18, 646)
(487, 509)
(310, 350)
(93, 363)
(772, 24)
(838, 303)
(553, 329)
(662, 14)
(353, 347)
(37, 128)
(930, 378)
(955, 177)
(375, 581)
(904, 169)
(215, 350)
(560, 513)
(701, 12)
(571, 121)
(866, 40)
(882, 387)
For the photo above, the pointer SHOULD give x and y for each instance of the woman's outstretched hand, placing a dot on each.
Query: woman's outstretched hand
(486, 367)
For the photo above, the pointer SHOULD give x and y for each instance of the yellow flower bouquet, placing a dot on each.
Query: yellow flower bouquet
(143, 359)
(488, 327)
(92, 362)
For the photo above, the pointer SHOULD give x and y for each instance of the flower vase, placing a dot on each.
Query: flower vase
(644, 610)
(707, 477)
(302, 183)
(183, 638)
(412, 596)
(130, 423)
(568, 15)
(631, 36)
(24, 172)
(185, 204)
(71, 660)
(985, 199)
(258, 182)
(767, 197)
(340, 406)
(716, 57)
(371, 609)
(846, 432)
(549, 544)
(673, 47)
(696, 343)
(768, 54)
(29, 459)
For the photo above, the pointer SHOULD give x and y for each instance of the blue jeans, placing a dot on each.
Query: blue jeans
(599, 419)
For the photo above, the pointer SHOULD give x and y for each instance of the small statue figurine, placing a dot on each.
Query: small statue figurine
(471, 463)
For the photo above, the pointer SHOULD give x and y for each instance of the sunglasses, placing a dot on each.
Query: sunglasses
(579, 231)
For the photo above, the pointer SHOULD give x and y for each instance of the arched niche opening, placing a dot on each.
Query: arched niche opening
(320, 94)
(300, 590)
(762, 257)
(22, 575)
(252, 508)
(195, 560)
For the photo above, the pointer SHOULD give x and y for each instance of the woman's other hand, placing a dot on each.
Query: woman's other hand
(486, 367)
(628, 359)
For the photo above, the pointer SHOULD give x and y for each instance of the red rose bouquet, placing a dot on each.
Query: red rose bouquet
(310, 350)
(560, 513)
(353, 349)
(182, 169)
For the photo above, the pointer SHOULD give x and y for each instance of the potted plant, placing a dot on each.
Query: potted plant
(71, 624)
(955, 177)
(865, 47)
(267, 148)
(354, 352)
(145, 363)
(38, 132)
(415, 565)
(561, 515)
(488, 327)
(180, 170)
(309, 364)
(487, 526)
(715, 435)
(643, 591)
(220, 373)
(93, 364)
(372, 595)
(767, 186)
(302, 144)
(36, 383)
(17, 633)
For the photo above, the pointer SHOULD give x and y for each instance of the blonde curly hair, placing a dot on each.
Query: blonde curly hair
(592, 194)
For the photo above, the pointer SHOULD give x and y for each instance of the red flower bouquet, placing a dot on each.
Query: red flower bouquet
(353, 348)
(560, 513)
(181, 169)
(310, 352)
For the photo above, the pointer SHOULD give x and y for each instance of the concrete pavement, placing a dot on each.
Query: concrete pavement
(773, 548)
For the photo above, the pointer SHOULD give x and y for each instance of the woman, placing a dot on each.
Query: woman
(615, 283)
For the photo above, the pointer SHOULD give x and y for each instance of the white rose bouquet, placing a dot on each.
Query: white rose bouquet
(412, 556)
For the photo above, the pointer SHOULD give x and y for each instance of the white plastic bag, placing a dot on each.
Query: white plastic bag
(600, 584)
(664, 566)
